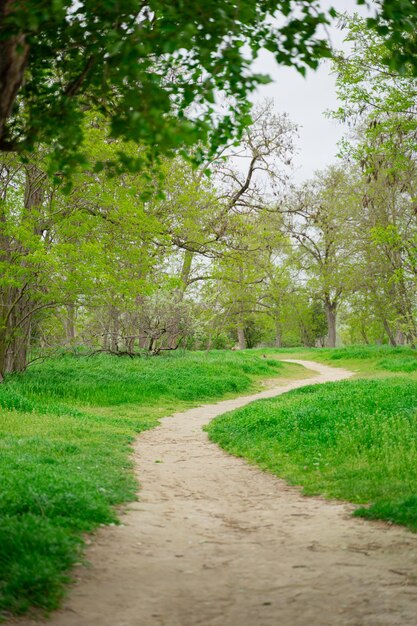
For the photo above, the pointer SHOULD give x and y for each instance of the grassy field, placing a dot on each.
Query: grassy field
(67, 426)
(365, 361)
(65, 435)
(353, 440)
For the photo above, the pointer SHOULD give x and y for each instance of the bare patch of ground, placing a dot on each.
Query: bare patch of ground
(214, 541)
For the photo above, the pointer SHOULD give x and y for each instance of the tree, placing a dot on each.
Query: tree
(320, 219)
(248, 223)
(154, 69)
(380, 104)
(56, 249)
(395, 22)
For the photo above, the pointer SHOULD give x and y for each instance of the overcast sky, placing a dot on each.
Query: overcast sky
(306, 99)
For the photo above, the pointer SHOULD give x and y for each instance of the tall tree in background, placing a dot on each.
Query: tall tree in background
(320, 221)
(380, 105)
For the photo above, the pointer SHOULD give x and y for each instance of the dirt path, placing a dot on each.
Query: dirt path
(214, 541)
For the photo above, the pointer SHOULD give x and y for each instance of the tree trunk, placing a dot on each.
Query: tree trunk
(400, 338)
(143, 337)
(3, 348)
(14, 52)
(364, 335)
(70, 324)
(114, 330)
(17, 303)
(241, 339)
(143, 340)
(130, 344)
(174, 331)
(18, 349)
(389, 332)
(278, 336)
(15, 334)
(330, 308)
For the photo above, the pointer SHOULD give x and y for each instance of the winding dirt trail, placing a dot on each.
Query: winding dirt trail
(214, 541)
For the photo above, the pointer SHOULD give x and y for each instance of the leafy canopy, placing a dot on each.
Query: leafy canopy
(166, 74)
(396, 22)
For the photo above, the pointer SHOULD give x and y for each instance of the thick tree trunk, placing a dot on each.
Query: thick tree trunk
(241, 339)
(389, 332)
(15, 333)
(18, 302)
(278, 336)
(14, 52)
(400, 338)
(18, 349)
(364, 335)
(4, 247)
(330, 309)
(3, 351)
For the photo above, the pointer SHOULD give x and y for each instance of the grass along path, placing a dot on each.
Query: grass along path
(214, 541)
(353, 440)
(66, 431)
(365, 361)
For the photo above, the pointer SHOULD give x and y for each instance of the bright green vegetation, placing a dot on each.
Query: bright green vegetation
(65, 436)
(354, 440)
(376, 361)
(108, 381)
(399, 359)
(67, 426)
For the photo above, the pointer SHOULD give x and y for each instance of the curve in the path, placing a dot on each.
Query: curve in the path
(214, 541)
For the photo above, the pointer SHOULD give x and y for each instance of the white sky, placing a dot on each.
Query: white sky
(306, 99)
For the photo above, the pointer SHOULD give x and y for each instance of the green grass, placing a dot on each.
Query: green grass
(66, 429)
(365, 361)
(358, 352)
(399, 364)
(107, 381)
(67, 425)
(373, 360)
(366, 352)
(352, 440)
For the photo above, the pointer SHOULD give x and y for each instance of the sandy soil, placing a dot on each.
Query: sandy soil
(214, 541)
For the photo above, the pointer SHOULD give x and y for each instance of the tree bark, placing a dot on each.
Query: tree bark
(278, 336)
(143, 340)
(389, 332)
(130, 344)
(3, 349)
(174, 331)
(14, 53)
(331, 308)
(400, 338)
(18, 302)
(19, 343)
(114, 329)
(364, 335)
(241, 339)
